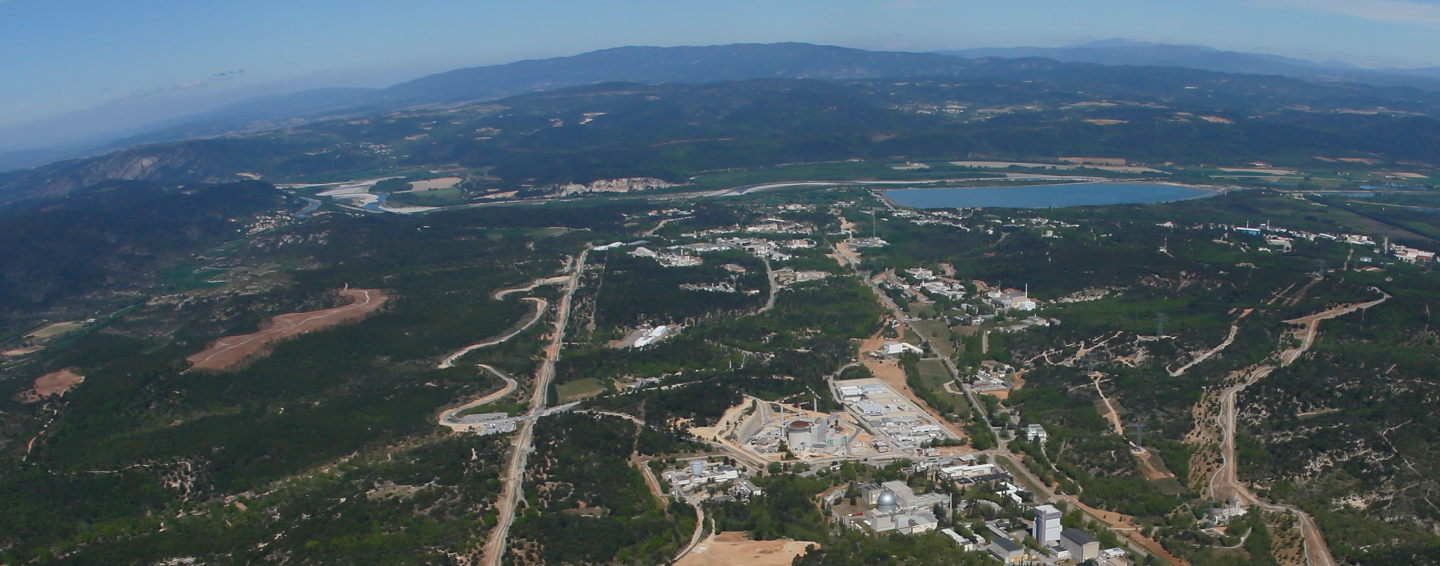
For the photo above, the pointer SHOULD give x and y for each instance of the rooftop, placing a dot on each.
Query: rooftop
(1078, 536)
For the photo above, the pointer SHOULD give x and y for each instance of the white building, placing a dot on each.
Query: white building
(1012, 299)
(962, 541)
(1036, 434)
(921, 273)
(1113, 557)
(901, 348)
(1046, 529)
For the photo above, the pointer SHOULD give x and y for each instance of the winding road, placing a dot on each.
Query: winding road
(1224, 484)
(540, 305)
(451, 417)
(494, 551)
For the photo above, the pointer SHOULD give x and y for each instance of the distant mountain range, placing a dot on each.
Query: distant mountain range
(701, 65)
(1124, 52)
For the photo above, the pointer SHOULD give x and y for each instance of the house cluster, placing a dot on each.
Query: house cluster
(789, 276)
(1269, 232)
(698, 474)
(929, 284)
(934, 285)
(758, 247)
(721, 287)
(777, 226)
(1028, 322)
(667, 259)
(1412, 255)
(991, 377)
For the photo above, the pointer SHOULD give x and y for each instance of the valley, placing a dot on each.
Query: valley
(831, 289)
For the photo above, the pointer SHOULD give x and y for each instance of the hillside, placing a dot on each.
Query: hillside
(740, 62)
(674, 131)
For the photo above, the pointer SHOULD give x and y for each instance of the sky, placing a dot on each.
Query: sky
(159, 56)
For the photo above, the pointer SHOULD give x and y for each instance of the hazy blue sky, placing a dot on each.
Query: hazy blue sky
(59, 56)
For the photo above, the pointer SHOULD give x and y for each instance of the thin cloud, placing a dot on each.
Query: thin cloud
(1388, 11)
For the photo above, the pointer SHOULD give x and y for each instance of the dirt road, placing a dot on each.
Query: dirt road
(1202, 357)
(1224, 484)
(494, 551)
(1110, 413)
(229, 351)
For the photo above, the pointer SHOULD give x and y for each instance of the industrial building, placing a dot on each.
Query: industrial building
(895, 421)
(904, 513)
(1046, 528)
(1081, 545)
(974, 473)
(1006, 550)
(803, 434)
(699, 473)
(961, 541)
(904, 497)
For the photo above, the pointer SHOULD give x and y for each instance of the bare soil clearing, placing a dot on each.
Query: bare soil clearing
(56, 383)
(731, 548)
(56, 329)
(431, 184)
(229, 351)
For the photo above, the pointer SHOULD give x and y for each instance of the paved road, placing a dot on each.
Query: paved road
(447, 418)
(695, 538)
(540, 305)
(774, 287)
(1148, 545)
(494, 551)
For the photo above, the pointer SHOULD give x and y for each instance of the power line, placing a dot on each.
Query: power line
(1139, 433)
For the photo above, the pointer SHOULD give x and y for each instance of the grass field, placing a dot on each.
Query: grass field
(920, 309)
(938, 333)
(432, 197)
(578, 389)
(934, 375)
